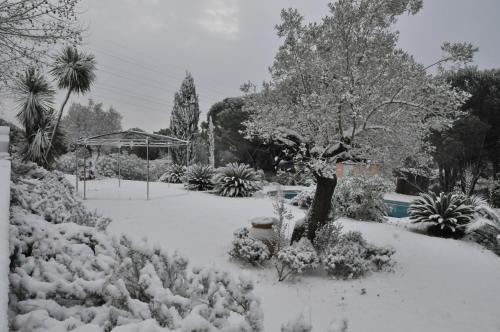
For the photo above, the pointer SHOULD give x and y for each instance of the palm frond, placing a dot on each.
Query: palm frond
(74, 70)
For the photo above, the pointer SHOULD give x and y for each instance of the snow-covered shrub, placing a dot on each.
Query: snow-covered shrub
(174, 174)
(66, 163)
(65, 276)
(199, 177)
(446, 214)
(248, 249)
(295, 259)
(361, 197)
(157, 168)
(50, 195)
(327, 236)
(236, 180)
(298, 324)
(131, 166)
(352, 257)
(304, 198)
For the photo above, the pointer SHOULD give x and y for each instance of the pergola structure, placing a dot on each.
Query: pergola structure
(128, 138)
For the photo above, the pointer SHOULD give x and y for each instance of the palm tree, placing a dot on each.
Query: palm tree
(73, 71)
(35, 99)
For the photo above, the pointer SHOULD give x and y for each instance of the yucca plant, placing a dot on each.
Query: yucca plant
(236, 180)
(175, 174)
(447, 214)
(199, 177)
(35, 100)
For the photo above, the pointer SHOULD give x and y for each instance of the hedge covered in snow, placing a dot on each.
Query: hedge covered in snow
(66, 273)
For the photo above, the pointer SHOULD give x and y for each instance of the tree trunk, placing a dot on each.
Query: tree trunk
(321, 206)
(57, 123)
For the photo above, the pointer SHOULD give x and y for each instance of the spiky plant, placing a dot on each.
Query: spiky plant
(175, 174)
(35, 100)
(485, 210)
(199, 177)
(75, 72)
(236, 180)
(447, 214)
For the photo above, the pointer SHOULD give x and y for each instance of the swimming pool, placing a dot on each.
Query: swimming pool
(396, 209)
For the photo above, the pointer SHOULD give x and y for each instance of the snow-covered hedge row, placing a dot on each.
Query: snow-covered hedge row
(131, 167)
(66, 274)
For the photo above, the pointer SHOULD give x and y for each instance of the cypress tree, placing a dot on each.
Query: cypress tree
(184, 117)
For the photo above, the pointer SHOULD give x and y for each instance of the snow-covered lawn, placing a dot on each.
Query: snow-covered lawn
(438, 285)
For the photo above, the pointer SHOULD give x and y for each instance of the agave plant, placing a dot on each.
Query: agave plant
(447, 214)
(175, 174)
(74, 71)
(236, 180)
(199, 177)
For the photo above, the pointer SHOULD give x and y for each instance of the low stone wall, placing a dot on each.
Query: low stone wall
(4, 225)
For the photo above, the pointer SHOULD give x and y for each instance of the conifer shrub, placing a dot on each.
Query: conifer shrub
(174, 174)
(446, 214)
(199, 177)
(236, 180)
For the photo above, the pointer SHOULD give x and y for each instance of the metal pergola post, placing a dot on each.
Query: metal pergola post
(84, 176)
(147, 174)
(119, 166)
(76, 168)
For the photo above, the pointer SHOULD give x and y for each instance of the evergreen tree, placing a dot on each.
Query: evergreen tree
(185, 116)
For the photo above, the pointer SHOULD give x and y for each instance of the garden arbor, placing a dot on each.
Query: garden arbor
(128, 138)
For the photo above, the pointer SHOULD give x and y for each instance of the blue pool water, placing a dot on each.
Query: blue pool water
(287, 194)
(396, 209)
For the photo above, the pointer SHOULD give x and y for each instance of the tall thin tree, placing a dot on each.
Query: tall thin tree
(185, 115)
(74, 71)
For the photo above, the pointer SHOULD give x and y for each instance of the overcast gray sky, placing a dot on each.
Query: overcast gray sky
(143, 47)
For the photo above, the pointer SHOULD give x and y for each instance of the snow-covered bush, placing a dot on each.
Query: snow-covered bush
(131, 166)
(66, 276)
(174, 174)
(304, 198)
(295, 259)
(50, 195)
(66, 163)
(352, 257)
(327, 236)
(446, 214)
(199, 177)
(298, 324)
(248, 249)
(361, 197)
(236, 180)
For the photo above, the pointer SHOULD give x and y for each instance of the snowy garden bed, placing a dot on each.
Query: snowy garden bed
(201, 225)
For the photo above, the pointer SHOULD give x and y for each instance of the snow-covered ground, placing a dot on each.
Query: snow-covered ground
(439, 284)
